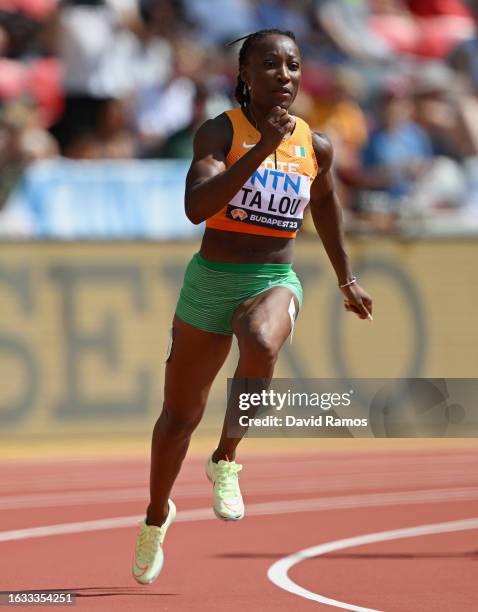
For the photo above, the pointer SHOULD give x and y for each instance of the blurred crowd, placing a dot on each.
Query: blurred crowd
(393, 83)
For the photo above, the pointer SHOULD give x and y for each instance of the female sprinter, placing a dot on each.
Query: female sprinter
(255, 168)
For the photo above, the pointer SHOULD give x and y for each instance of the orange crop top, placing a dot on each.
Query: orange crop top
(272, 201)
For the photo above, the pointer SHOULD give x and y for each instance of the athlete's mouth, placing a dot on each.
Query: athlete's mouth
(283, 91)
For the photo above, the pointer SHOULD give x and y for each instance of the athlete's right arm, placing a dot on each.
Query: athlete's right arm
(209, 183)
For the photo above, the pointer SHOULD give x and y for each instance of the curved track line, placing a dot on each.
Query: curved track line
(278, 572)
(343, 502)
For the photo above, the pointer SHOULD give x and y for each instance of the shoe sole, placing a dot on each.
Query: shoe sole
(228, 519)
(146, 581)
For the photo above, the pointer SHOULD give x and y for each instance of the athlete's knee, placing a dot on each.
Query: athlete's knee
(176, 424)
(256, 344)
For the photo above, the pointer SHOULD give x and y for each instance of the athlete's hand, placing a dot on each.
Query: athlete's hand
(358, 301)
(277, 126)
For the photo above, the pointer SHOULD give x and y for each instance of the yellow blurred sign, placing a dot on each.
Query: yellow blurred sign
(84, 327)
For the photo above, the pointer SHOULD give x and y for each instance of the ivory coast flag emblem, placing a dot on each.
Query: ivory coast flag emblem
(299, 151)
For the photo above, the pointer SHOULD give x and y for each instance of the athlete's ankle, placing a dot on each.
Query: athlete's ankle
(156, 518)
(219, 455)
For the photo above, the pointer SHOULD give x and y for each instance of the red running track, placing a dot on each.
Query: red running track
(71, 525)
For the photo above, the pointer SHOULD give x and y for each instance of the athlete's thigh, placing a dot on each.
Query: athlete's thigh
(268, 314)
(195, 359)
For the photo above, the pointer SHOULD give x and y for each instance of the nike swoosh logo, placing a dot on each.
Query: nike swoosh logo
(143, 570)
(248, 146)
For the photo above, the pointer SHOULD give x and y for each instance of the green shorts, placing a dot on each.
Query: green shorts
(212, 290)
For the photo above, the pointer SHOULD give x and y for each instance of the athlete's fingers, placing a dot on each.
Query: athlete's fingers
(359, 309)
(283, 122)
(282, 118)
(362, 311)
(291, 125)
(289, 128)
(367, 302)
(286, 121)
(350, 307)
(363, 304)
(276, 113)
(277, 109)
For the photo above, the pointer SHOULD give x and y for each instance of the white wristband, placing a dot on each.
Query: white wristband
(354, 280)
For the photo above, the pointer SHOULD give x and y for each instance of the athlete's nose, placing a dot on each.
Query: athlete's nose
(283, 74)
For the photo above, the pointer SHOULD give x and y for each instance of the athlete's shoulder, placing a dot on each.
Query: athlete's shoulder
(217, 125)
(323, 150)
(215, 132)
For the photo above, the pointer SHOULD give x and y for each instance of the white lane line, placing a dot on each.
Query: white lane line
(278, 572)
(399, 455)
(252, 484)
(403, 457)
(197, 489)
(136, 494)
(343, 502)
(105, 476)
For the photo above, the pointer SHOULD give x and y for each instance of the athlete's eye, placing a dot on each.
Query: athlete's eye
(269, 63)
(294, 66)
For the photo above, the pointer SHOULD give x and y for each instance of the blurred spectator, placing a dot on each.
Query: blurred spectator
(11, 165)
(112, 137)
(447, 8)
(135, 78)
(165, 19)
(38, 81)
(348, 28)
(399, 175)
(464, 59)
(397, 153)
(97, 51)
(423, 28)
(436, 109)
(37, 9)
(166, 108)
(329, 104)
(336, 112)
(218, 21)
(285, 15)
(25, 66)
(3, 41)
(21, 24)
(22, 141)
(180, 144)
(116, 140)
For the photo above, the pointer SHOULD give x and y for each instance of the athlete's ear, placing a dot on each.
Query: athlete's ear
(245, 76)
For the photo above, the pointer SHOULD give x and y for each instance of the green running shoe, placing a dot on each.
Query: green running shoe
(149, 557)
(228, 504)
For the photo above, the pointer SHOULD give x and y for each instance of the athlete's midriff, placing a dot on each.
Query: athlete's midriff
(235, 247)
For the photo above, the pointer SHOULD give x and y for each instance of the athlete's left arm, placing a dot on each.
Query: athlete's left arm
(327, 215)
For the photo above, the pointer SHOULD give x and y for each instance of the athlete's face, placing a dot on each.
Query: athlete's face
(272, 71)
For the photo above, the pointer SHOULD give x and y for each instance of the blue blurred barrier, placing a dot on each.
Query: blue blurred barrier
(128, 199)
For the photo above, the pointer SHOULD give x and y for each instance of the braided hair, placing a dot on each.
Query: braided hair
(241, 92)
